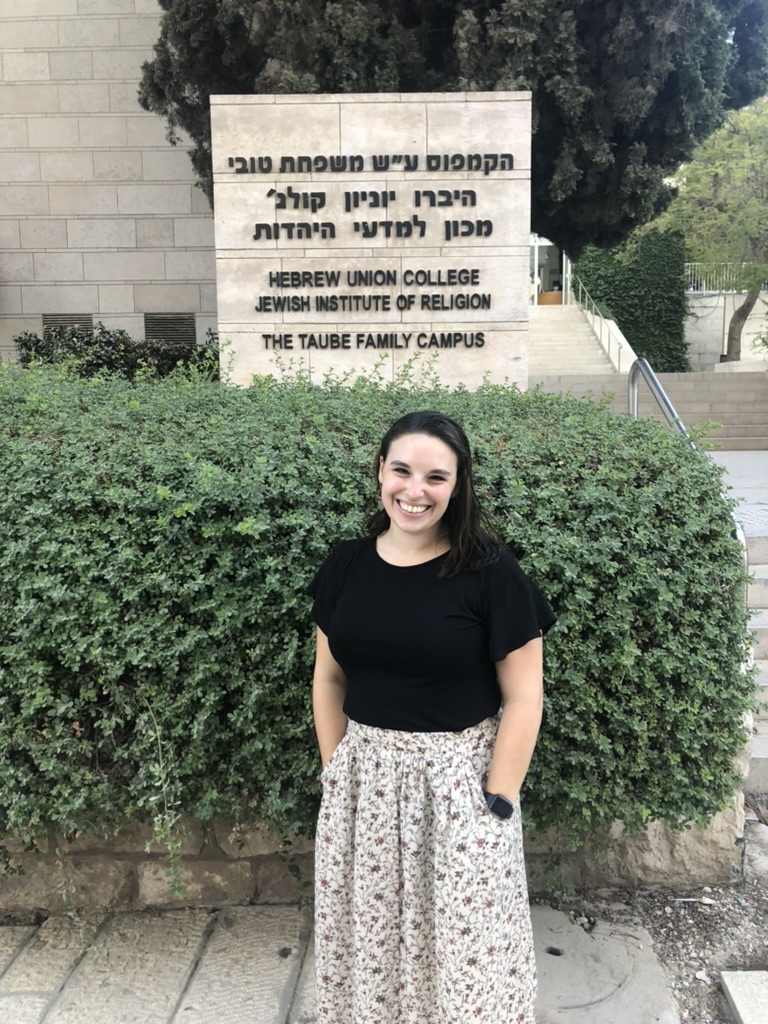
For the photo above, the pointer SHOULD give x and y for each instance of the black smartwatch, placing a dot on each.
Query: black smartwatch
(499, 805)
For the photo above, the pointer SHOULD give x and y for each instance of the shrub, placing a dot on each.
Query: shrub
(158, 538)
(104, 350)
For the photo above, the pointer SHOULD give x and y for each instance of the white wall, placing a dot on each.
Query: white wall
(98, 213)
(706, 329)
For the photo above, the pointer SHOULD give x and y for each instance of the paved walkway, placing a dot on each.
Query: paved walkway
(747, 476)
(254, 965)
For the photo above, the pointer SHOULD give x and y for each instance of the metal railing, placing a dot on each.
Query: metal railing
(716, 277)
(612, 341)
(642, 368)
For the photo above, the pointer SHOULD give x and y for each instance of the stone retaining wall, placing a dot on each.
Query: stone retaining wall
(129, 870)
(219, 866)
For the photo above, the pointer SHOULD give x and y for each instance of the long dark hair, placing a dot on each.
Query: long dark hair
(473, 545)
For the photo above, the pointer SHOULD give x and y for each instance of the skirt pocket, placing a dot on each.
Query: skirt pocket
(333, 760)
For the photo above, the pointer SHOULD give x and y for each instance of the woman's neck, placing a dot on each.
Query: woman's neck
(401, 549)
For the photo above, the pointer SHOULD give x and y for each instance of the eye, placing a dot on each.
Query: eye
(400, 471)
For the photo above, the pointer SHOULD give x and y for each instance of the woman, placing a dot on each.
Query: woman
(424, 628)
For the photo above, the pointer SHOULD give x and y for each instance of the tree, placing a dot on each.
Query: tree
(622, 90)
(722, 207)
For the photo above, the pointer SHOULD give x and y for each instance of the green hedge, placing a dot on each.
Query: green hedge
(642, 286)
(157, 646)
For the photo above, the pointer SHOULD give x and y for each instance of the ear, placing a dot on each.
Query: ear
(381, 469)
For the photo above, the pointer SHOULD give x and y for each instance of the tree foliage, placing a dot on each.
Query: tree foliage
(622, 91)
(721, 206)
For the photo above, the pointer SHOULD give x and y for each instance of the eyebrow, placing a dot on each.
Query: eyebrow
(432, 472)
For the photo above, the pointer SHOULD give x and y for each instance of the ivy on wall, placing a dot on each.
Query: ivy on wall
(641, 285)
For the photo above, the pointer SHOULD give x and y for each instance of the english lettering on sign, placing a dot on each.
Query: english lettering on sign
(282, 304)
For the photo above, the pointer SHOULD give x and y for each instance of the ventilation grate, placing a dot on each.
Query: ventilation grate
(170, 327)
(53, 320)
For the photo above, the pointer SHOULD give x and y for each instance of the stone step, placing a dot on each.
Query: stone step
(756, 389)
(745, 444)
(711, 408)
(582, 355)
(739, 416)
(563, 365)
(747, 995)
(729, 430)
(713, 382)
(552, 312)
(758, 549)
(757, 780)
(574, 348)
(697, 394)
(758, 588)
(758, 626)
(562, 338)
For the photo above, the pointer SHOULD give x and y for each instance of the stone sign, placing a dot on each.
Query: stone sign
(355, 231)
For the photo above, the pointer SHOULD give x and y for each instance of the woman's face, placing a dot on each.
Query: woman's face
(418, 478)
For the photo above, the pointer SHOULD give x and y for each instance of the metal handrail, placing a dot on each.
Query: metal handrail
(642, 368)
(577, 289)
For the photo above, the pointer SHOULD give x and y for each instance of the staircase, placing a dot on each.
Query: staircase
(561, 341)
(738, 401)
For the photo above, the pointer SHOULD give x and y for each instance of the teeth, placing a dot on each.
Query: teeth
(413, 508)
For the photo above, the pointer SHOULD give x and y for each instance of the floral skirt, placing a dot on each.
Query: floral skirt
(421, 903)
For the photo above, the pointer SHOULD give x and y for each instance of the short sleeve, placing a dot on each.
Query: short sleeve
(326, 585)
(517, 611)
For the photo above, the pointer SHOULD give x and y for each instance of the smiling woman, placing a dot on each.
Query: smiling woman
(424, 628)
(418, 480)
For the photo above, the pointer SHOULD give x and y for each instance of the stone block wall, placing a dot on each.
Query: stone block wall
(217, 865)
(99, 214)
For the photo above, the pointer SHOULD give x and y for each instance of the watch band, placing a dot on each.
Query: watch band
(499, 805)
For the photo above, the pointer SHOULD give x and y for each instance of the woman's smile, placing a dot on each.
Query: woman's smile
(413, 509)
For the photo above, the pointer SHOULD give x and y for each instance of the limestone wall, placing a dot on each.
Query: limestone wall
(99, 214)
(219, 865)
(706, 330)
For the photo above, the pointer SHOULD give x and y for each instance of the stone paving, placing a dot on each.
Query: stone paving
(747, 478)
(255, 965)
(193, 966)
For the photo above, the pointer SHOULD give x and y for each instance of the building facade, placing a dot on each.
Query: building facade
(100, 217)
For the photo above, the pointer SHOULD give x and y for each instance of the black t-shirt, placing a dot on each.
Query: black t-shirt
(418, 652)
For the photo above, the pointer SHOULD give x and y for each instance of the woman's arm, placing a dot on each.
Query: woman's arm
(520, 677)
(329, 687)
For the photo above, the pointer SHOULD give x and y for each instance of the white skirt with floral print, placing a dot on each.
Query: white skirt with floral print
(421, 903)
